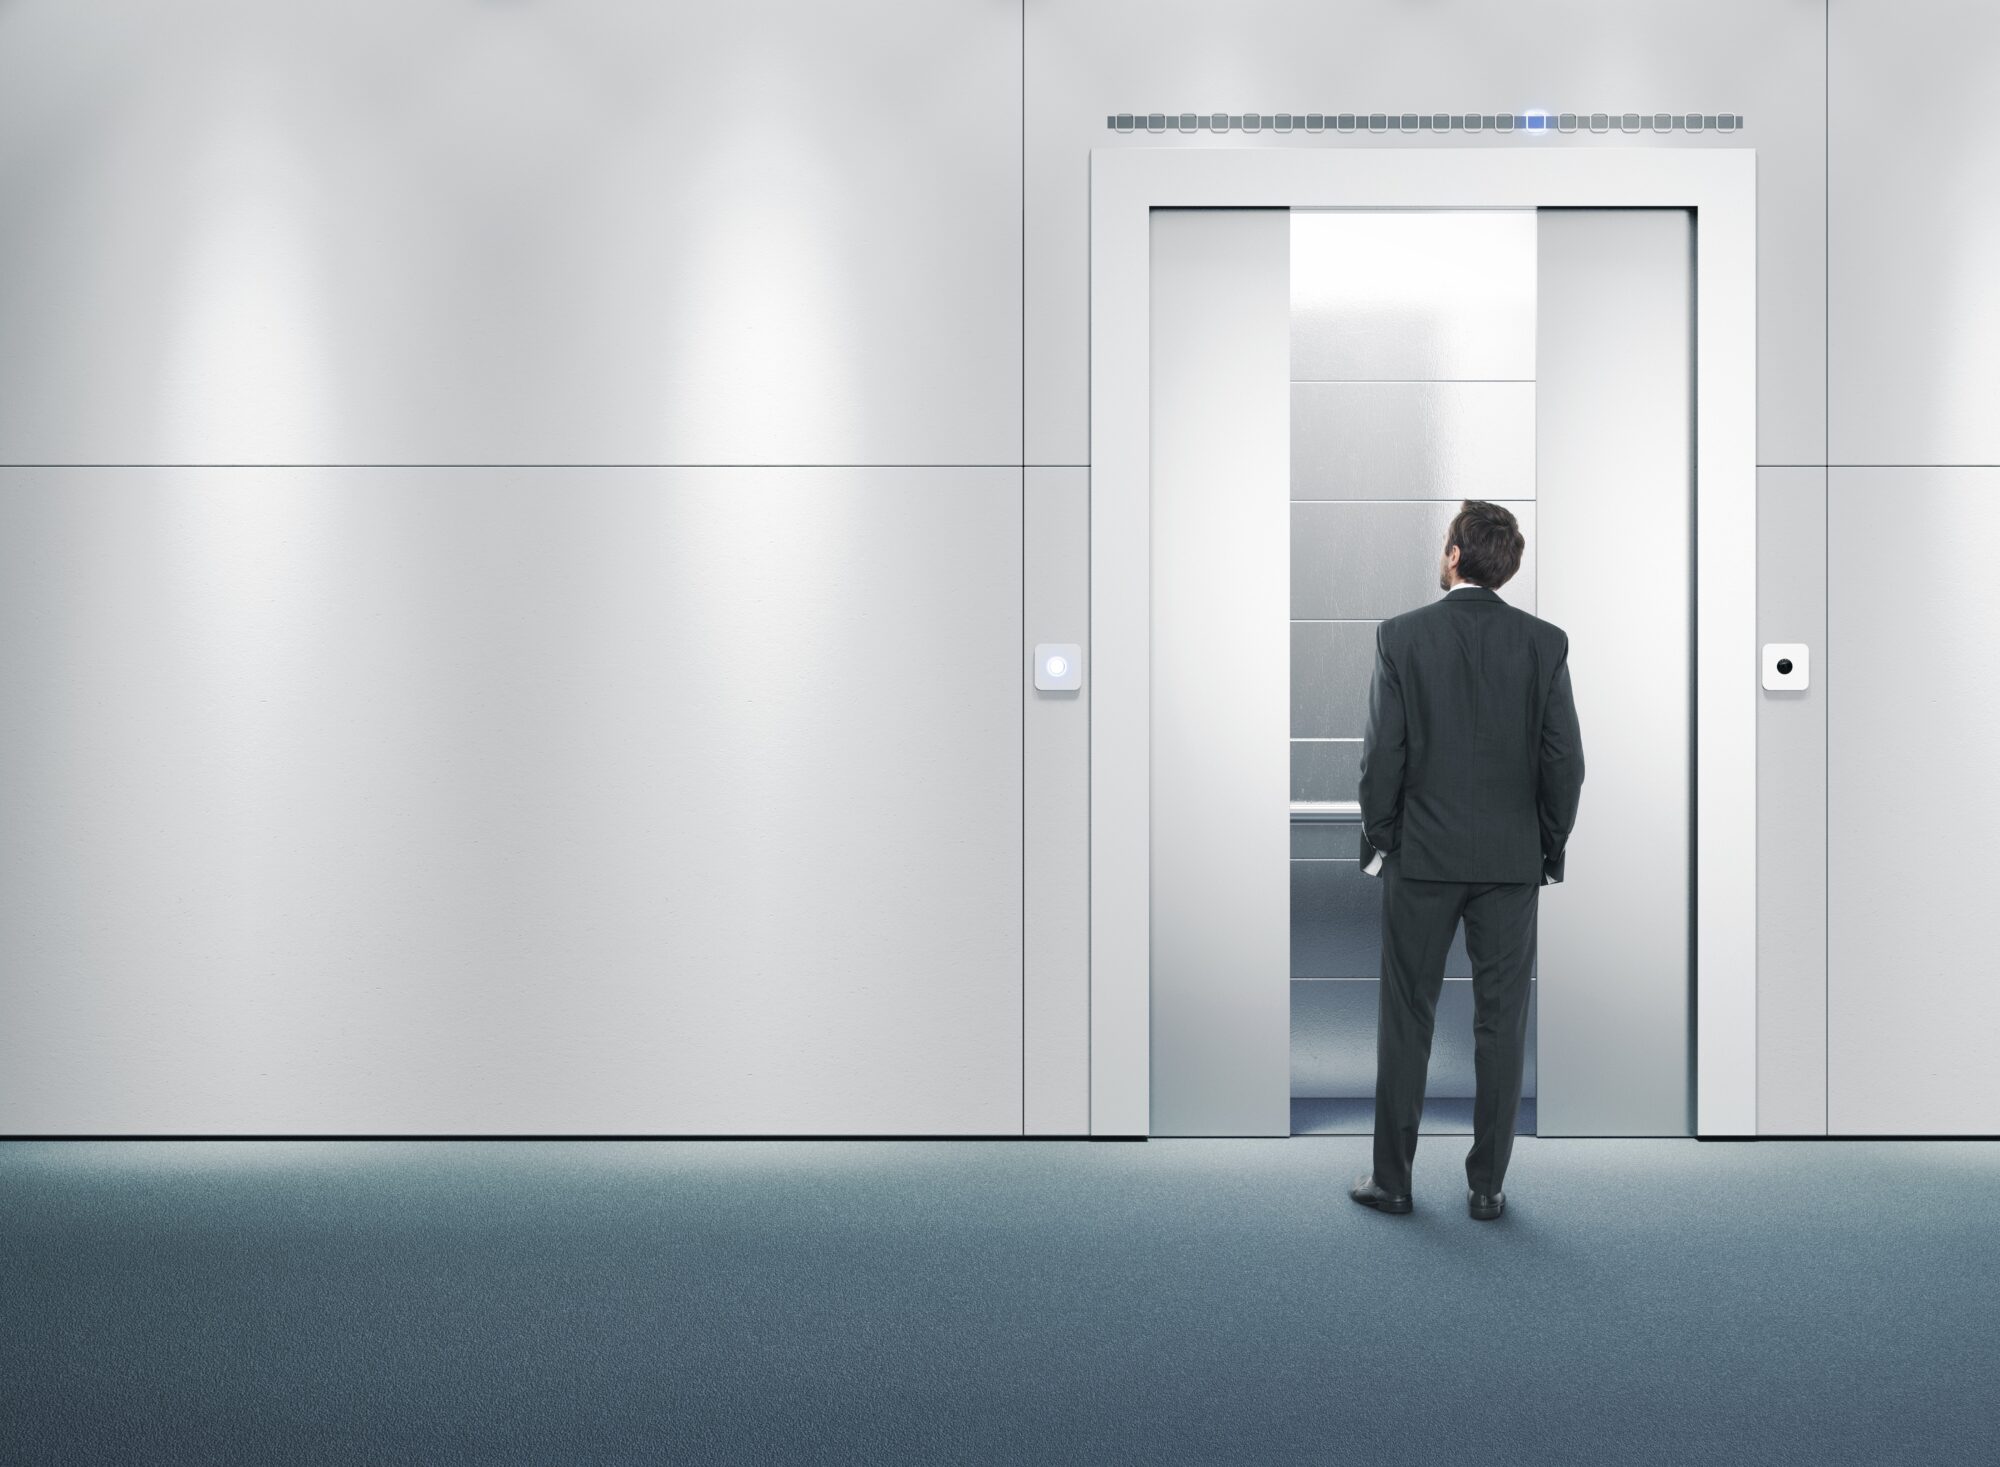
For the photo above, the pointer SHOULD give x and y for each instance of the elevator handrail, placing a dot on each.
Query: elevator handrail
(1326, 812)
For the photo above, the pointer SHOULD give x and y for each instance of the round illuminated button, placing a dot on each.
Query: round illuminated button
(1058, 666)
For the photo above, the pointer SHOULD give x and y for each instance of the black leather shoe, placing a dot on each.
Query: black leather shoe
(1484, 1205)
(1369, 1195)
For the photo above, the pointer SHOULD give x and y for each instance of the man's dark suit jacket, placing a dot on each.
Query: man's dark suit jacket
(1472, 764)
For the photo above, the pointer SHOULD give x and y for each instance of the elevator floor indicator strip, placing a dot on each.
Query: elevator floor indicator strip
(1408, 122)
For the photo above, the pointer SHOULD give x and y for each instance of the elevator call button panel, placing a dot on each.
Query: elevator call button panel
(1787, 667)
(1058, 667)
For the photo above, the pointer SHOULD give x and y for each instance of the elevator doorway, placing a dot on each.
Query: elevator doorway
(1326, 385)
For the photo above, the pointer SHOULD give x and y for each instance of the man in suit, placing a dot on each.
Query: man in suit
(1471, 770)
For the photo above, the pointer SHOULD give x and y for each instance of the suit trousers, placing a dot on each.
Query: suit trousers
(1419, 919)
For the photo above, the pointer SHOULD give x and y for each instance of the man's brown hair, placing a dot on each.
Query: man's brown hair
(1489, 543)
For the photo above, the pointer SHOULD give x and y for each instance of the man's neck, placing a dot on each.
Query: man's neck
(1462, 585)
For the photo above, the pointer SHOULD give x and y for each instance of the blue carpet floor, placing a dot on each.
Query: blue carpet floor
(1168, 1301)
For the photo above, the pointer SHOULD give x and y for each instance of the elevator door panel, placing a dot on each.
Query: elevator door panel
(1220, 520)
(1614, 443)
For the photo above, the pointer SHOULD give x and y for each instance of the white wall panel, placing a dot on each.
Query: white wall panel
(1762, 58)
(1056, 809)
(437, 231)
(1914, 296)
(510, 801)
(1791, 810)
(1912, 802)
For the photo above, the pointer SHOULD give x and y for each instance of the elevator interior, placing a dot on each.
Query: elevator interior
(1539, 358)
(1412, 386)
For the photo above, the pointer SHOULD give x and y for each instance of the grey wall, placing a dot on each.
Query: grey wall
(826, 236)
(1914, 322)
(511, 800)
(1791, 809)
(684, 798)
(1912, 1003)
(444, 231)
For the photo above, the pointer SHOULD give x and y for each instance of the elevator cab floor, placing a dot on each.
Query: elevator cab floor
(1443, 1116)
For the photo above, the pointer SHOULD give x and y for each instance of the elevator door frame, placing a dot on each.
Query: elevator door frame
(1718, 185)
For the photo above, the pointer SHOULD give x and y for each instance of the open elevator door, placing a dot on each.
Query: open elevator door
(1325, 386)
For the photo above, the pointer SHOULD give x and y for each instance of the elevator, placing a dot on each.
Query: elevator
(1325, 386)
